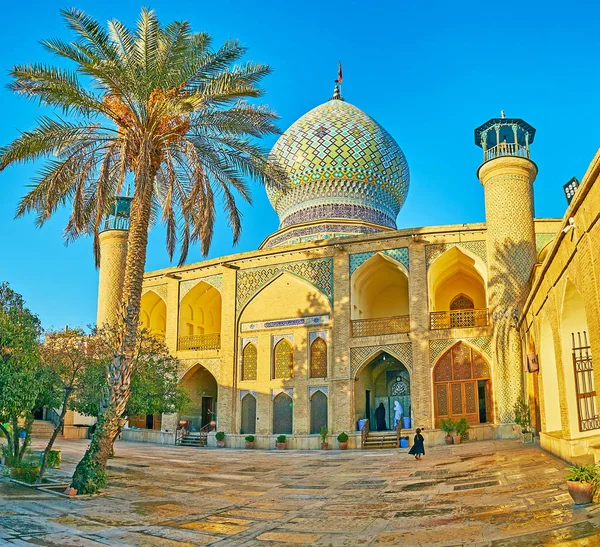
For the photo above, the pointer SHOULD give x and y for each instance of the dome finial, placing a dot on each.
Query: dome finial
(336, 90)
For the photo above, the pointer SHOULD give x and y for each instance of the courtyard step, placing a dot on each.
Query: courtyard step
(42, 429)
(381, 439)
(194, 440)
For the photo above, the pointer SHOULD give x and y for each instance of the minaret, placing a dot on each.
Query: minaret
(507, 175)
(113, 250)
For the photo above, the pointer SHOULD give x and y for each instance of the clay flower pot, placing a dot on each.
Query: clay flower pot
(581, 492)
(220, 444)
(343, 446)
(456, 440)
(324, 446)
(280, 446)
(249, 444)
(449, 439)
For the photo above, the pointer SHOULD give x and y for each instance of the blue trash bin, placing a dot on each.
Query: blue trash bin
(360, 424)
(22, 434)
(403, 443)
(405, 423)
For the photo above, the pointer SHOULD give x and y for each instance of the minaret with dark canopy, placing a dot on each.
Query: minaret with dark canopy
(507, 174)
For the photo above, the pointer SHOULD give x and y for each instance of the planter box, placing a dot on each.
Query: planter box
(527, 438)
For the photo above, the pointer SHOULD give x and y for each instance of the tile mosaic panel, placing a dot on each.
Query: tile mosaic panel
(541, 240)
(478, 248)
(359, 356)
(358, 259)
(186, 286)
(311, 321)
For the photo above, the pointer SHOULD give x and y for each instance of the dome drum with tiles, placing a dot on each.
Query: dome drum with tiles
(343, 169)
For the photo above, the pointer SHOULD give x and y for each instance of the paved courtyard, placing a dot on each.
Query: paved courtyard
(495, 493)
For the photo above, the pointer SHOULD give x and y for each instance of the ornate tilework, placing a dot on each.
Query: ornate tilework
(321, 231)
(313, 320)
(541, 240)
(160, 290)
(215, 281)
(437, 347)
(244, 392)
(318, 334)
(359, 356)
(288, 390)
(313, 389)
(318, 272)
(340, 163)
(399, 255)
(478, 248)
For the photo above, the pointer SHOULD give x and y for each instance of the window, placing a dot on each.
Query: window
(318, 358)
(249, 362)
(283, 360)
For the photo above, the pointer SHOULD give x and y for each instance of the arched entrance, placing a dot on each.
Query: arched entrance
(283, 414)
(318, 412)
(201, 388)
(462, 386)
(383, 381)
(248, 415)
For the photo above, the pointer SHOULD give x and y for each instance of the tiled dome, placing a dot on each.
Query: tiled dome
(341, 166)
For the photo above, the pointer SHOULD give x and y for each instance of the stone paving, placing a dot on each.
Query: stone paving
(494, 493)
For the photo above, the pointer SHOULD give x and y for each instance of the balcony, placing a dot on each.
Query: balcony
(506, 149)
(380, 325)
(200, 342)
(459, 319)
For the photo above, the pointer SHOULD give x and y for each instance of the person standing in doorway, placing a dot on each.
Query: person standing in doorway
(418, 448)
(380, 417)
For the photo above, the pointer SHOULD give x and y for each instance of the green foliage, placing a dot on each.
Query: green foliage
(281, 438)
(5, 427)
(249, 438)
(584, 473)
(220, 436)
(342, 437)
(90, 477)
(448, 426)
(522, 414)
(21, 381)
(462, 426)
(155, 387)
(54, 458)
(323, 433)
(26, 471)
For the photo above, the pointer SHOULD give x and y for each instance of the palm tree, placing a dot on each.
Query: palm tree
(155, 106)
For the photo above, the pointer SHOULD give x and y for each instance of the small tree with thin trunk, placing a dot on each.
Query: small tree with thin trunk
(21, 384)
(65, 357)
(159, 106)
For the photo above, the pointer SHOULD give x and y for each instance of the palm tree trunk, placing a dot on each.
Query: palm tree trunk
(90, 474)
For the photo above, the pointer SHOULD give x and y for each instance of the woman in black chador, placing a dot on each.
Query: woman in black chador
(417, 449)
(380, 417)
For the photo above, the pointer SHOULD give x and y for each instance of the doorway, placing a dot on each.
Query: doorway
(207, 404)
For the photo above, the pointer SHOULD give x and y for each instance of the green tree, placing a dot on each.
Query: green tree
(66, 356)
(21, 384)
(157, 105)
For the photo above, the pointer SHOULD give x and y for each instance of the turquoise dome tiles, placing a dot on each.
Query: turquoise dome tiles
(340, 164)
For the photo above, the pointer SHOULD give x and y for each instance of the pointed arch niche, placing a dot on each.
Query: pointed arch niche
(379, 297)
(153, 313)
(200, 318)
(457, 290)
(462, 386)
(577, 364)
(549, 373)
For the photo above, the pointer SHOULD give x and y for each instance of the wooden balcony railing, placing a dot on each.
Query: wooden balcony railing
(506, 149)
(380, 325)
(200, 341)
(459, 319)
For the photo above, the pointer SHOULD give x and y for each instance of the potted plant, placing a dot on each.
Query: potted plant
(581, 482)
(523, 420)
(323, 435)
(220, 437)
(281, 442)
(448, 427)
(343, 440)
(462, 427)
(249, 441)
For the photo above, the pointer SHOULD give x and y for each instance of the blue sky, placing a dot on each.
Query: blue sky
(428, 72)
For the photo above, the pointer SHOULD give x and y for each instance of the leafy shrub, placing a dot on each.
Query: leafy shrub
(522, 415)
(27, 471)
(462, 426)
(342, 437)
(54, 458)
(583, 473)
(220, 436)
(323, 433)
(281, 439)
(447, 426)
(90, 477)
(249, 438)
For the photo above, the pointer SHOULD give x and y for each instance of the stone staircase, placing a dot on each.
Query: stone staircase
(381, 439)
(42, 429)
(194, 440)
